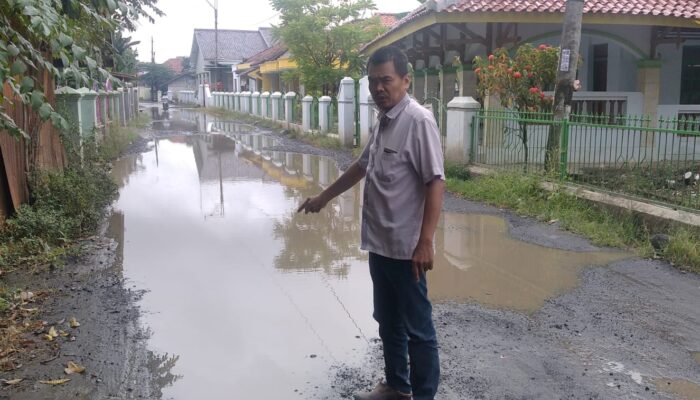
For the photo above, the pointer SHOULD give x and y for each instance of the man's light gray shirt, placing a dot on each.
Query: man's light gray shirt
(403, 155)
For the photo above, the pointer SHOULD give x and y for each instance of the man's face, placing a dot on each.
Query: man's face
(386, 86)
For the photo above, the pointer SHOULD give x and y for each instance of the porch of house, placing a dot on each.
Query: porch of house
(627, 69)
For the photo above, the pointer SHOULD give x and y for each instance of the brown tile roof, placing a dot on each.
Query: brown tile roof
(266, 55)
(684, 9)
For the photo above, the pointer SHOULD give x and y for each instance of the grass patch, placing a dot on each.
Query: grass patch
(65, 206)
(684, 250)
(524, 194)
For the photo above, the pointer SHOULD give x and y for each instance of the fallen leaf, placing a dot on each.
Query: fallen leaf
(74, 323)
(11, 382)
(52, 332)
(63, 333)
(73, 368)
(26, 296)
(55, 382)
(48, 337)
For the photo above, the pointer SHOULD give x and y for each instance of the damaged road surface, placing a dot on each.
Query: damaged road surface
(241, 297)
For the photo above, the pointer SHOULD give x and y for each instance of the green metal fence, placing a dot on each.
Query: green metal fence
(297, 108)
(315, 122)
(657, 160)
(333, 115)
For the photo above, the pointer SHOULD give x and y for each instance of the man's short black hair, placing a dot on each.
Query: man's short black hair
(390, 53)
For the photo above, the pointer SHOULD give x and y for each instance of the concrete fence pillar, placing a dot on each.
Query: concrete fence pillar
(366, 104)
(324, 105)
(102, 114)
(113, 111)
(306, 104)
(229, 101)
(256, 103)
(265, 104)
(346, 112)
(88, 111)
(136, 100)
(368, 117)
(245, 102)
(460, 114)
(289, 106)
(276, 97)
(121, 105)
(68, 105)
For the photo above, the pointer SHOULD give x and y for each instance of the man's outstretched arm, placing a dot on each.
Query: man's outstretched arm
(348, 179)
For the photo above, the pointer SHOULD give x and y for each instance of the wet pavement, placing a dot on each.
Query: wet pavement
(241, 291)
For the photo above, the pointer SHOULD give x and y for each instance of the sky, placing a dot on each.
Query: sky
(172, 33)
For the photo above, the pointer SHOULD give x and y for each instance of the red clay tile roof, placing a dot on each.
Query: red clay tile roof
(669, 8)
(388, 20)
(684, 9)
(175, 64)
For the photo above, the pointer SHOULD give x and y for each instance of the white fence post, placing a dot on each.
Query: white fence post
(366, 111)
(237, 101)
(245, 100)
(306, 103)
(276, 105)
(460, 114)
(255, 102)
(289, 106)
(264, 104)
(346, 111)
(324, 104)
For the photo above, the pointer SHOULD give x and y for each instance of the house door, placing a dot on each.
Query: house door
(690, 75)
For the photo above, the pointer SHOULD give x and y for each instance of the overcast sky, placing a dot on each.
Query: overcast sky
(172, 34)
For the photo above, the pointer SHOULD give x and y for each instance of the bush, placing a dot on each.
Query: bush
(457, 171)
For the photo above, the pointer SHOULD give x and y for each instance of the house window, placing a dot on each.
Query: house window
(600, 67)
(690, 75)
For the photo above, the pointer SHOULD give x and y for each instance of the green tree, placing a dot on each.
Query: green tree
(519, 82)
(324, 38)
(156, 76)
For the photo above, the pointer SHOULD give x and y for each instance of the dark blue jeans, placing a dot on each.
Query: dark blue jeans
(404, 314)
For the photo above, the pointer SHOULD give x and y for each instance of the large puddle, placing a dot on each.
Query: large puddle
(252, 300)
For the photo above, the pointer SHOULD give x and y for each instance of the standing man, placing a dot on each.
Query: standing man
(403, 167)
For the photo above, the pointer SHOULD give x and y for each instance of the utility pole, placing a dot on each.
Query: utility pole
(154, 95)
(215, 6)
(566, 74)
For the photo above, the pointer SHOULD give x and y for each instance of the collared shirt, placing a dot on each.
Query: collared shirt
(402, 156)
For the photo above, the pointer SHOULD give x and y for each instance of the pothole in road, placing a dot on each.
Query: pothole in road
(681, 388)
(477, 260)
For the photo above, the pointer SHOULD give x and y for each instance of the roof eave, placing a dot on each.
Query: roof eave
(433, 18)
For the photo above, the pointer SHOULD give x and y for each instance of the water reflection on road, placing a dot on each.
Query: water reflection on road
(257, 301)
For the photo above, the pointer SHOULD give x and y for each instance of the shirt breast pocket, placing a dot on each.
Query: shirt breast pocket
(387, 166)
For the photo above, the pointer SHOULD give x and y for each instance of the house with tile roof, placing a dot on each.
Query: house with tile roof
(639, 56)
(234, 46)
(264, 71)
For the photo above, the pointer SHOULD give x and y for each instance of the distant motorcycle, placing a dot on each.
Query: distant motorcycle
(166, 103)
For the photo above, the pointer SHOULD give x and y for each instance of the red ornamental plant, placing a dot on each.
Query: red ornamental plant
(518, 81)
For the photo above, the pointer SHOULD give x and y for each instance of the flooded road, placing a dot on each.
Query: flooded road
(245, 298)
